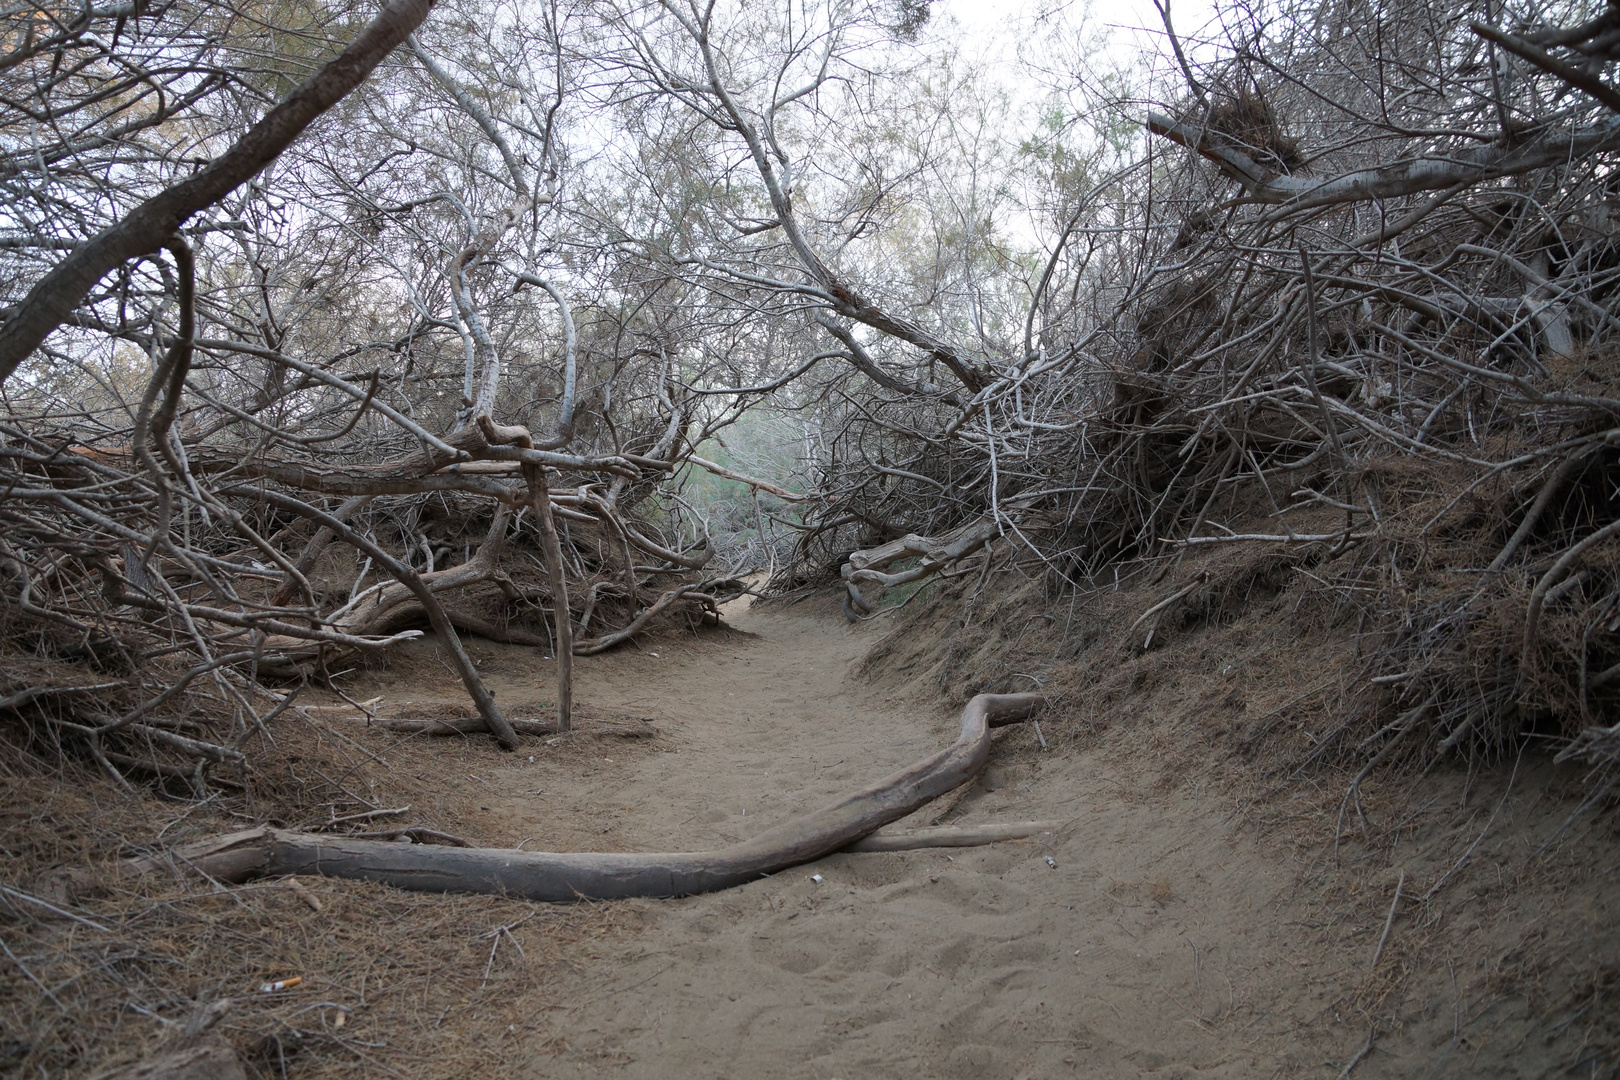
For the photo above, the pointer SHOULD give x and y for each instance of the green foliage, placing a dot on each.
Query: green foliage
(275, 45)
(910, 17)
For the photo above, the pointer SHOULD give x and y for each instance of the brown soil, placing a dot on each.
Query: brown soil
(1169, 934)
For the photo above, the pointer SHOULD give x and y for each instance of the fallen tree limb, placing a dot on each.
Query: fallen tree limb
(1407, 176)
(213, 1059)
(952, 836)
(592, 646)
(605, 876)
(418, 834)
(933, 556)
(504, 735)
(474, 725)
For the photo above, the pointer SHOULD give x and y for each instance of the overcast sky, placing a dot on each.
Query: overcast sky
(1132, 26)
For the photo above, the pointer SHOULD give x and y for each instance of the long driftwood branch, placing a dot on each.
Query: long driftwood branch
(611, 875)
(952, 836)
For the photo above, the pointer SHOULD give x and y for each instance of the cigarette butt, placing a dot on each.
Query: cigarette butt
(283, 984)
(304, 894)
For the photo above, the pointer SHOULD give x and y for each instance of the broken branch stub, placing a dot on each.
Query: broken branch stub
(933, 556)
(612, 875)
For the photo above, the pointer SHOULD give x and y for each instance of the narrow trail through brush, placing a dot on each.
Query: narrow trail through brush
(268, 852)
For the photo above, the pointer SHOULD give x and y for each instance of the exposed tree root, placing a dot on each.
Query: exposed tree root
(474, 725)
(604, 876)
(933, 556)
(952, 836)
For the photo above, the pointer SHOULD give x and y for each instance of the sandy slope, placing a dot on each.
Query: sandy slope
(1169, 939)
(1161, 943)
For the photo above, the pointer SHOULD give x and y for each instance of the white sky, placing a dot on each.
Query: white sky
(1131, 25)
(993, 18)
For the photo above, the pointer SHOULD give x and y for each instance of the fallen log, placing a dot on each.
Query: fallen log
(474, 725)
(933, 555)
(212, 1059)
(952, 836)
(611, 875)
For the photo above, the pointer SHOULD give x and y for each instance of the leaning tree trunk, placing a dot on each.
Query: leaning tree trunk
(483, 700)
(561, 616)
(605, 876)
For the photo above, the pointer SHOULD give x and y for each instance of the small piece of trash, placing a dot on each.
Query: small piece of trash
(817, 878)
(282, 984)
(1051, 862)
(304, 894)
(652, 654)
(531, 759)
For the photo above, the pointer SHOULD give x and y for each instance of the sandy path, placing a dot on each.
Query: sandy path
(1160, 944)
(1173, 938)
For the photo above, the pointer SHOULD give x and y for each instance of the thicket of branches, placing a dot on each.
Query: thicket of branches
(452, 356)
(1358, 289)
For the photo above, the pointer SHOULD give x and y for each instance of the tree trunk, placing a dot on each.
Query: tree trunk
(212, 1059)
(607, 876)
(564, 621)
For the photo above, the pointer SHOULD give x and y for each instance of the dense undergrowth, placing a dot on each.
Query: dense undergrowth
(1299, 417)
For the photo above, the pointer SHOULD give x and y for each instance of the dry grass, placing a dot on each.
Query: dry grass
(1255, 683)
(1402, 644)
(394, 983)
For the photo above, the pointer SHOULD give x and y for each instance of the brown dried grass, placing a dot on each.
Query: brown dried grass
(1254, 691)
(394, 983)
(1299, 660)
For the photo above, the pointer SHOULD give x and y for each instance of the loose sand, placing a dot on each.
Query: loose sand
(1195, 918)
(1163, 941)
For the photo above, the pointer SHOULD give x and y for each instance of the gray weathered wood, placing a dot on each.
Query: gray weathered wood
(211, 1059)
(952, 836)
(611, 875)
